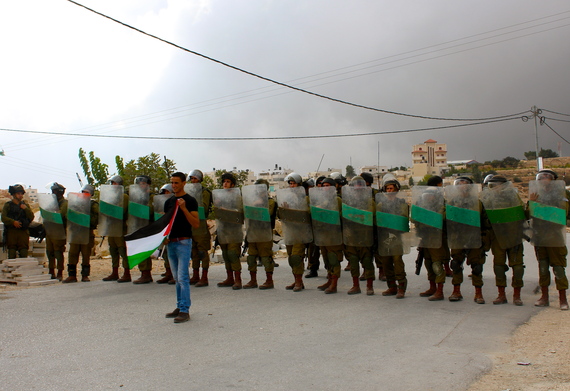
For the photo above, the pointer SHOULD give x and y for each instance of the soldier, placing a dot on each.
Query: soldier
(201, 238)
(296, 223)
(54, 215)
(17, 216)
(140, 215)
(116, 208)
(369, 179)
(427, 213)
(327, 230)
(228, 207)
(465, 225)
(393, 225)
(548, 208)
(259, 211)
(164, 194)
(505, 211)
(83, 215)
(358, 232)
(313, 251)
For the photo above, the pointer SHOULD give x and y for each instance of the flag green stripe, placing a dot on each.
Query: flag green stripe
(506, 215)
(463, 216)
(427, 217)
(53, 217)
(356, 215)
(135, 259)
(548, 213)
(396, 222)
(111, 210)
(325, 215)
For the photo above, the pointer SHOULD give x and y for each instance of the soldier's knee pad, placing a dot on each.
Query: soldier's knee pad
(267, 261)
(437, 268)
(295, 260)
(456, 265)
(518, 271)
(333, 259)
(543, 267)
(251, 260)
(559, 272)
(477, 269)
(500, 269)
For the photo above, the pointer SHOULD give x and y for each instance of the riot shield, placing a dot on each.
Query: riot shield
(228, 208)
(78, 218)
(463, 216)
(427, 215)
(195, 190)
(111, 210)
(51, 216)
(547, 207)
(325, 216)
(294, 215)
(158, 202)
(392, 224)
(357, 216)
(139, 210)
(256, 213)
(505, 211)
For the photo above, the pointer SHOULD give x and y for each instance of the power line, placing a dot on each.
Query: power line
(554, 112)
(543, 122)
(260, 138)
(284, 84)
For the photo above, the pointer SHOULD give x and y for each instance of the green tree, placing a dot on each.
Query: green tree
(240, 175)
(350, 173)
(159, 170)
(510, 161)
(477, 175)
(544, 153)
(95, 171)
(423, 181)
(411, 181)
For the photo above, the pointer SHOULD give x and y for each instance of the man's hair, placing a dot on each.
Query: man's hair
(434, 180)
(180, 175)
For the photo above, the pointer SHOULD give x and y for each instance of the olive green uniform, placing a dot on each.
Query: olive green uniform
(55, 248)
(17, 239)
(84, 249)
(264, 250)
(202, 241)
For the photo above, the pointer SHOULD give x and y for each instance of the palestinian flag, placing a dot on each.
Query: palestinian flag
(143, 242)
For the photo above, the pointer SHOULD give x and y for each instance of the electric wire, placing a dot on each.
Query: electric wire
(284, 84)
(555, 112)
(543, 122)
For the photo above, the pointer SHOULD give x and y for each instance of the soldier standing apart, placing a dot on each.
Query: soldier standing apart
(201, 239)
(548, 208)
(259, 211)
(120, 214)
(465, 225)
(84, 220)
(228, 207)
(55, 248)
(506, 214)
(17, 216)
(180, 244)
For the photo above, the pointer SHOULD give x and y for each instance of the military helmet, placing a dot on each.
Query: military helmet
(294, 177)
(320, 180)
(196, 174)
(462, 180)
(17, 188)
(88, 189)
(497, 179)
(546, 174)
(143, 179)
(115, 179)
(488, 178)
(229, 176)
(367, 177)
(310, 182)
(55, 187)
(392, 182)
(262, 182)
(338, 178)
(358, 181)
(330, 181)
(166, 188)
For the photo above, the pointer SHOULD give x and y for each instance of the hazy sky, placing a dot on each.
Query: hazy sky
(66, 69)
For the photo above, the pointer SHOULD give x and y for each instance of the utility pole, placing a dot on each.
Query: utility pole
(535, 113)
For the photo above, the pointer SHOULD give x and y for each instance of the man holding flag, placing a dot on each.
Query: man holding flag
(181, 214)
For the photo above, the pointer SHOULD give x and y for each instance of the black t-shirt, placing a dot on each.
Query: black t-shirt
(181, 227)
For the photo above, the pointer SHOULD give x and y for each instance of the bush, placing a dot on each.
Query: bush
(517, 179)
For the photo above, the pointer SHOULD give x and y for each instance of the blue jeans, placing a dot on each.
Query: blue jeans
(179, 258)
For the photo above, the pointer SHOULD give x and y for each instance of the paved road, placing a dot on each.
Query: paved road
(109, 336)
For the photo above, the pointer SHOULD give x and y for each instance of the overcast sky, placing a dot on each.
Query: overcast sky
(66, 69)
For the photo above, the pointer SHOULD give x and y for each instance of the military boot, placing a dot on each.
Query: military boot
(517, 297)
(237, 281)
(392, 289)
(370, 286)
(59, 274)
(478, 296)
(72, 274)
(543, 301)
(52, 273)
(401, 291)
(326, 284)
(126, 276)
(299, 286)
(114, 276)
(268, 284)
(195, 276)
(438, 294)
(252, 282)
(430, 291)
(167, 277)
(145, 278)
(456, 294)
(332, 286)
(204, 280)
(563, 300)
(85, 271)
(355, 286)
(229, 281)
(501, 298)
